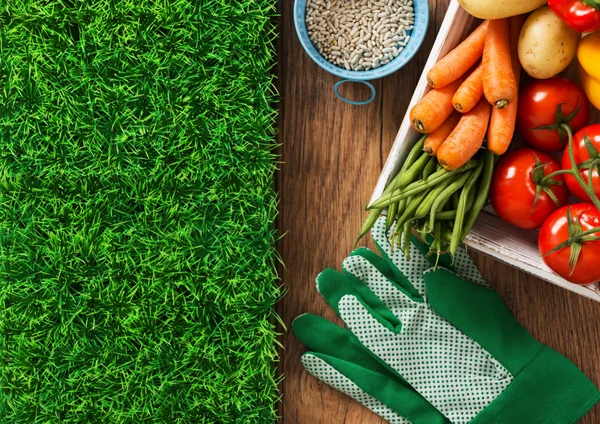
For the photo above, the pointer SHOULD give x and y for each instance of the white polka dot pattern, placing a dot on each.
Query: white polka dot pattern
(453, 372)
(331, 376)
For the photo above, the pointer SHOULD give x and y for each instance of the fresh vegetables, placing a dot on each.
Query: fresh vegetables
(521, 194)
(588, 54)
(469, 92)
(499, 84)
(440, 203)
(582, 16)
(460, 83)
(544, 106)
(433, 109)
(467, 137)
(586, 148)
(494, 9)
(569, 242)
(447, 177)
(456, 63)
(546, 45)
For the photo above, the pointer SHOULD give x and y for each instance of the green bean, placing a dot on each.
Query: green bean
(391, 216)
(420, 186)
(482, 192)
(454, 199)
(409, 213)
(368, 224)
(401, 208)
(399, 182)
(406, 240)
(460, 210)
(451, 214)
(425, 206)
(445, 231)
(434, 246)
(407, 203)
(414, 154)
(430, 167)
(421, 227)
(445, 195)
(439, 172)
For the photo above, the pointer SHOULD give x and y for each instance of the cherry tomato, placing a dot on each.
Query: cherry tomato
(582, 154)
(516, 183)
(547, 104)
(556, 233)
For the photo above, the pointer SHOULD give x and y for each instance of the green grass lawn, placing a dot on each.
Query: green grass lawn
(137, 260)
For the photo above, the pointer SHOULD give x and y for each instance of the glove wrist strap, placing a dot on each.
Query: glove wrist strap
(550, 389)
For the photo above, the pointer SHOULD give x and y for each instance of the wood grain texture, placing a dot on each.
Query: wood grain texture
(333, 154)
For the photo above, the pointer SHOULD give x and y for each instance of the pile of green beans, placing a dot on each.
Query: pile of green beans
(441, 205)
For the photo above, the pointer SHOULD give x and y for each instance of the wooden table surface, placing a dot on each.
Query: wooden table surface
(333, 154)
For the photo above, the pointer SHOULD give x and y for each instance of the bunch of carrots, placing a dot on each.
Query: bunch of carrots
(474, 92)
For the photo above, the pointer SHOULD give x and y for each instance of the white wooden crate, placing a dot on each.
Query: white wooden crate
(489, 235)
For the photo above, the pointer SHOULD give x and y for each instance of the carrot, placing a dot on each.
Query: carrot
(469, 92)
(433, 109)
(456, 63)
(499, 84)
(502, 122)
(437, 137)
(467, 137)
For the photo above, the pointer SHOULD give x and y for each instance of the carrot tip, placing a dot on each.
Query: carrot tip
(428, 150)
(430, 82)
(458, 106)
(501, 104)
(418, 125)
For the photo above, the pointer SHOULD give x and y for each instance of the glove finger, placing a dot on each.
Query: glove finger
(390, 271)
(390, 398)
(333, 286)
(412, 268)
(327, 373)
(393, 295)
(374, 334)
(323, 336)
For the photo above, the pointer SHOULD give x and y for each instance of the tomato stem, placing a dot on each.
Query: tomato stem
(550, 177)
(590, 231)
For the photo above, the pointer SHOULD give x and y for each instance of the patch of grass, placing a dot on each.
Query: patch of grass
(137, 255)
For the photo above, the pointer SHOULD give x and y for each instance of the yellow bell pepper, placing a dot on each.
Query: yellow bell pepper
(588, 54)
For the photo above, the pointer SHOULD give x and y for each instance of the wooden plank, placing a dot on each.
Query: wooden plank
(333, 154)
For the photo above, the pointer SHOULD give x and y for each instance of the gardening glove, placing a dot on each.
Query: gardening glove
(452, 341)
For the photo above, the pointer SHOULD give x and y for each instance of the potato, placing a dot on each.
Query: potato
(497, 9)
(546, 44)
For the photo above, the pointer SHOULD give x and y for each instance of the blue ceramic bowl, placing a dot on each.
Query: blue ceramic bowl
(417, 34)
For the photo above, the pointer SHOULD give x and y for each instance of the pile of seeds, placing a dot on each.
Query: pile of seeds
(359, 34)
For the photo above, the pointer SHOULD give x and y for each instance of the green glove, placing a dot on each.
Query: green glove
(453, 342)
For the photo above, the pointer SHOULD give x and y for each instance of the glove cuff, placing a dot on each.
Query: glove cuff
(550, 389)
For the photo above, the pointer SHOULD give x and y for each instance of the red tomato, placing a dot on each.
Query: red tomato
(582, 154)
(555, 231)
(548, 103)
(515, 184)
